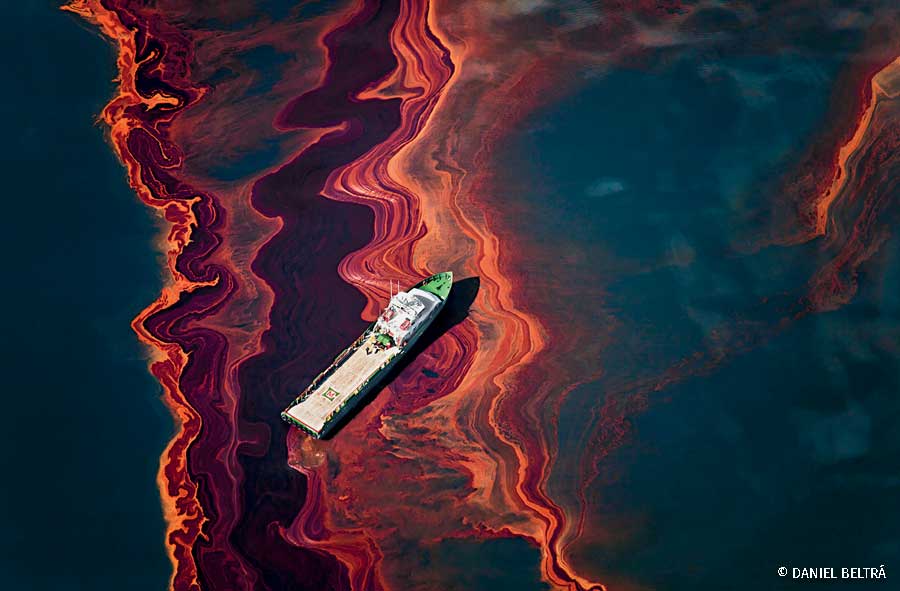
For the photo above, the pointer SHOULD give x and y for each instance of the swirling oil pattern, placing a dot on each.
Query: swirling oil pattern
(566, 160)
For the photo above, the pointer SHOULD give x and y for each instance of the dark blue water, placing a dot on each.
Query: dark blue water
(477, 565)
(782, 455)
(787, 455)
(82, 423)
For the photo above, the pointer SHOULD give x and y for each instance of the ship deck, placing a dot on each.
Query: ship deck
(344, 382)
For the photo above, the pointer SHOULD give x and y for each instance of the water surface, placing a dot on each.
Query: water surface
(82, 426)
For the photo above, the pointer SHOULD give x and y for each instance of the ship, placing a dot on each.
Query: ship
(359, 368)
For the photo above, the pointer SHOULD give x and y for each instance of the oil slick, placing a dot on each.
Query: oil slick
(360, 169)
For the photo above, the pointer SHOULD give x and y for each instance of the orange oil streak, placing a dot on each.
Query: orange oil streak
(417, 216)
(396, 226)
(846, 151)
(836, 283)
(181, 509)
(413, 226)
(523, 338)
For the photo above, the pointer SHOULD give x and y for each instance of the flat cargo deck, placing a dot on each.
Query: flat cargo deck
(358, 369)
(345, 381)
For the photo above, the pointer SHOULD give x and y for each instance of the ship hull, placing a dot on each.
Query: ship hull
(355, 365)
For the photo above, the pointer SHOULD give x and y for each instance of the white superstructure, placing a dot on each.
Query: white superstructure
(404, 313)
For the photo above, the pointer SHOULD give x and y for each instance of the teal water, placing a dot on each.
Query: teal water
(476, 565)
(636, 190)
(82, 422)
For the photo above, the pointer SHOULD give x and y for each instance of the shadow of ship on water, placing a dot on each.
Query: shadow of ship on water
(455, 311)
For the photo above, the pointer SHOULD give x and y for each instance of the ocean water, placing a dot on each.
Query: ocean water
(780, 455)
(478, 565)
(82, 423)
(785, 456)
(637, 186)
